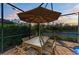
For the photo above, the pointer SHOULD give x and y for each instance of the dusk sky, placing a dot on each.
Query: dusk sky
(64, 8)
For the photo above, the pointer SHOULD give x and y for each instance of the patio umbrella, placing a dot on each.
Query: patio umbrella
(39, 15)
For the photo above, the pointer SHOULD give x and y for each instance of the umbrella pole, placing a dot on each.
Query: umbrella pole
(29, 30)
(39, 37)
(54, 42)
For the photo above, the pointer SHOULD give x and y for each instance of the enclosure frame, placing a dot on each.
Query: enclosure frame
(2, 19)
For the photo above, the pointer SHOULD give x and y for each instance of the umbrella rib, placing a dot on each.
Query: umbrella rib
(45, 19)
(33, 19)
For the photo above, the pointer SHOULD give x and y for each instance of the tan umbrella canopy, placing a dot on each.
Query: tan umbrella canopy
(39, 15)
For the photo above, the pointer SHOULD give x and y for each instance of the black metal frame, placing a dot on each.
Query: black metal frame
(15, 7)
(2, 19)
(78, 28)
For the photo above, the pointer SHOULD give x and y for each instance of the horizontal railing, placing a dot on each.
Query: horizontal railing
(13, 35)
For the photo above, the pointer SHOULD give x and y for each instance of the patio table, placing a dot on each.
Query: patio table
(36, 41)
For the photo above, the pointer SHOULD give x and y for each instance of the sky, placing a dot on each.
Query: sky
(65, 8)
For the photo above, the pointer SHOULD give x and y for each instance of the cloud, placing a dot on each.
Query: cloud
(71, 19)
(13, 15)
